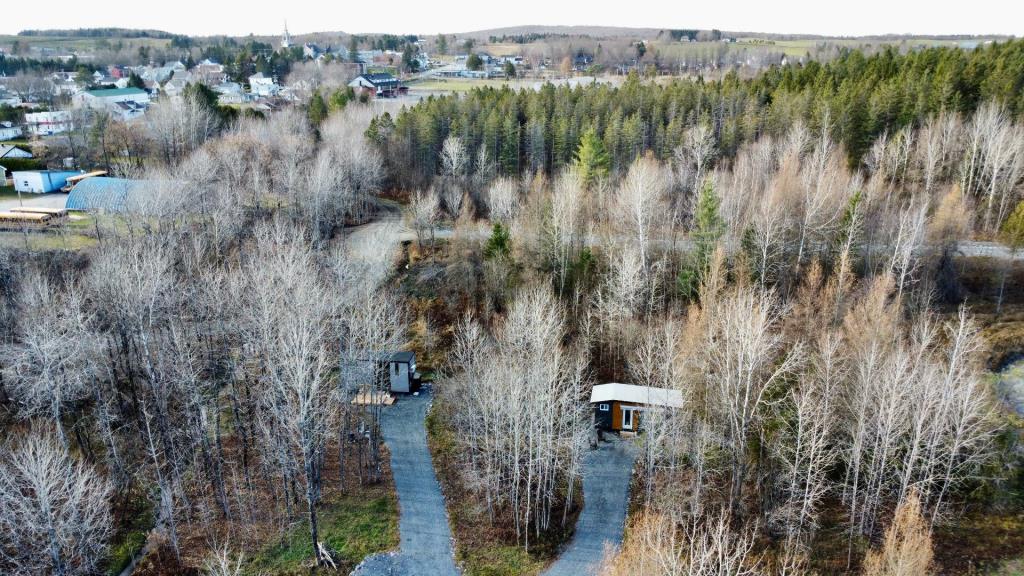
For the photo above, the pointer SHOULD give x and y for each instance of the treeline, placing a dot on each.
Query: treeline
(99, 33)
(693, 35)
(12, 66)
(858, 97)
(527, 38)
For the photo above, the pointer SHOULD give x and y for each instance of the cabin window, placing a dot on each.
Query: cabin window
(602, 407)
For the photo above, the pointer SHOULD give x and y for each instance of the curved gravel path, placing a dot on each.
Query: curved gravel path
(606, 475)
(426, 539)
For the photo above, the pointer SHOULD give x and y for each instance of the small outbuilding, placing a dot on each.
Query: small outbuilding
(619, 407)
(401, 371)
(41, 181)
(104, 194)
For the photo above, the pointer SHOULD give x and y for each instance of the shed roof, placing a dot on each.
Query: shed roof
(402, 357)
(614, 392)
(110, 194)
(11, 151)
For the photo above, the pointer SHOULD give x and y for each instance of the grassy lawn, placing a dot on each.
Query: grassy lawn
(467, 84)
(1009, 568)
(134, 520)
(43, 241)
(353, 526)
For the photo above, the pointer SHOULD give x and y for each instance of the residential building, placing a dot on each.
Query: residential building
(9, 151)
(231, 93)
(311, 51)
(9, 98)
(210, 73)
(175, 87)
(262, 85)
(8, 131)
(49, 123)
(378, 85)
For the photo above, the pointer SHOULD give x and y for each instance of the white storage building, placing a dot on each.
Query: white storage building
(41, 181)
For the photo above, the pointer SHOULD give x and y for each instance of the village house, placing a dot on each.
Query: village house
(210, 73)
(262, 85)
(619, 407)
(231, 93)
(48, 123)
(376, 85)
(174, 87)
(9, 98)
(311, 51)
(9, 151)
(8, 131)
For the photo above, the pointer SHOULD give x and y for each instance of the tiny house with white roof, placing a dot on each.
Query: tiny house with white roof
(618, 407)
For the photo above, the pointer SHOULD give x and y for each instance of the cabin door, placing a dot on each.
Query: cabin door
(627, 418)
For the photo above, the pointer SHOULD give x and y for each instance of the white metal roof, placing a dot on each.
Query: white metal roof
(637, 394)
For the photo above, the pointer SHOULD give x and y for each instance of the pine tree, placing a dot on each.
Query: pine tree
(317, 109)
(708, 225)
(499, 245)
(591, 158)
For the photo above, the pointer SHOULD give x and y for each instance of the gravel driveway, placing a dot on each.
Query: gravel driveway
(606, 475)
(55, 200)
(426, 539)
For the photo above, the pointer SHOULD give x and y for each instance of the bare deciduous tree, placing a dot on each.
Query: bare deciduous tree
(54, 511)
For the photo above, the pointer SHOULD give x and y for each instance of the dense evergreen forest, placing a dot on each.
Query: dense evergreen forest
(858, 97)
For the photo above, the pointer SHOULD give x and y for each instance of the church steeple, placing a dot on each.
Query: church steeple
(286, 39)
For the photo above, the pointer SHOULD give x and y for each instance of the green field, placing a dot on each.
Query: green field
(466, 84)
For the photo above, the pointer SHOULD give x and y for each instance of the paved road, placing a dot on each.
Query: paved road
(606, 475)
(426, 539)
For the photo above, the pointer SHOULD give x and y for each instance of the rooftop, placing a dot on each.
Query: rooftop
(112, 194)
(637, 394)
(380, 78)
(108, 92)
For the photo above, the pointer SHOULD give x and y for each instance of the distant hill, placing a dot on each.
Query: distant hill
(100, 33)
(650, 33)
(590, 31)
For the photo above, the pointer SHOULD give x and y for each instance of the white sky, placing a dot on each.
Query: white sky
(206, 17)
